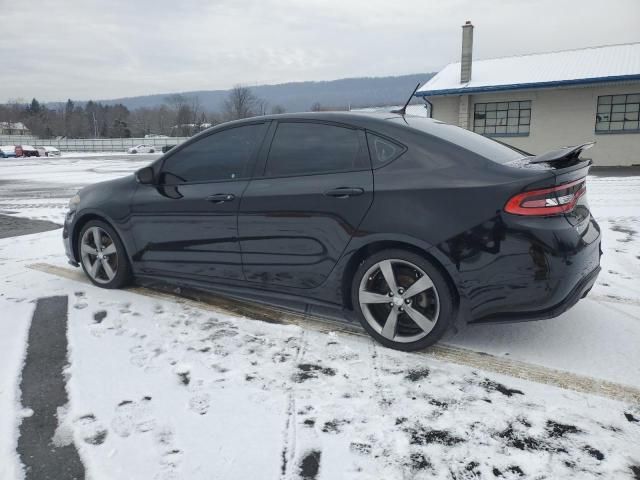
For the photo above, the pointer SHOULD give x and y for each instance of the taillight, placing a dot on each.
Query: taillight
(547, 201)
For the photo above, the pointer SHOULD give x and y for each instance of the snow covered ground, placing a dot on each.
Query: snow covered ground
(160, 388)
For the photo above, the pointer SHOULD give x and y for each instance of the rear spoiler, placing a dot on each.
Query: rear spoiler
(566, 154)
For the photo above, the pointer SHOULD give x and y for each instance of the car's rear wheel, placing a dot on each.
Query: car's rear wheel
(103, 256)
(402, 299)
(152, 151)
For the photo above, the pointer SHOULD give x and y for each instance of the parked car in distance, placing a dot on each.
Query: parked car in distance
(142, 149)
(41, 151)
(7, 151)
(166, 148)
(26, 151)
(51, 151)
(404, 223)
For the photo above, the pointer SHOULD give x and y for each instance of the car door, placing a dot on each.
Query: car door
(296, 220)
(186, 225)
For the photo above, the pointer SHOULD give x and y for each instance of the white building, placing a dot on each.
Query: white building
(543, 101)
(13, 128)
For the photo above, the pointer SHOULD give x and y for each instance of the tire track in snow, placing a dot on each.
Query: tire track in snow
(289, 443)
(442, 352)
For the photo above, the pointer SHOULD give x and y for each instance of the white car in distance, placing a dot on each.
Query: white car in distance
(142, 148)
(52, 151)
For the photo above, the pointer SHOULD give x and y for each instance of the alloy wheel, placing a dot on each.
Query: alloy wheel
(399, 300)
(99, 255)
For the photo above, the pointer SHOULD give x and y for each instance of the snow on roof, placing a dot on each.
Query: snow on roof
(13, 125)
(569, 67)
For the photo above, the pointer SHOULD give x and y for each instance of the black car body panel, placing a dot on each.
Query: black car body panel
(299, 238)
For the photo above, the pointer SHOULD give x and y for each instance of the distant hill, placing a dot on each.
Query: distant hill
(299, 96)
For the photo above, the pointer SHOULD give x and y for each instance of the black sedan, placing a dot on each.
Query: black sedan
(407, 223)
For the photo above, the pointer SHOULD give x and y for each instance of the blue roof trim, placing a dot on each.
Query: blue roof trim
(523, 86)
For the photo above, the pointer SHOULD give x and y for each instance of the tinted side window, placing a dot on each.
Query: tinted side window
(305, 148)
(221, 156)
(382, 150)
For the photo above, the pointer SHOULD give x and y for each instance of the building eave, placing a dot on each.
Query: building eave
(528, 86)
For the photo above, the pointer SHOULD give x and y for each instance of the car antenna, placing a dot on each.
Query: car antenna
(403, 110)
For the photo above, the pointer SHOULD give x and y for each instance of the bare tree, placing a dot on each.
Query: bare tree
(162, 120)
(261, 106)
(175, 101)
(241, 103)
(196, 109)
(277, 109)
(142, 121)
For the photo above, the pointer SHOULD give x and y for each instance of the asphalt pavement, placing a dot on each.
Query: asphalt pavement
(11, 226)
(44, 393)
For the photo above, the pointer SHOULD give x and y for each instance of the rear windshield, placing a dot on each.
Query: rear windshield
(483, 146)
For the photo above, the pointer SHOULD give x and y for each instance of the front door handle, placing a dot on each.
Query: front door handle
(221, 197)
(344, 192)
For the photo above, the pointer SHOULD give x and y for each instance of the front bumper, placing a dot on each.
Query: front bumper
(67, 238)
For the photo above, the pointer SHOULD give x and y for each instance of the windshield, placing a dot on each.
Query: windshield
(483, 146)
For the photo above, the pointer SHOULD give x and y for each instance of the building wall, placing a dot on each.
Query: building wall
(559, 117)
(446, 108)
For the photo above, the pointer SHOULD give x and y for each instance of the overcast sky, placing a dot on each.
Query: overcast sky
(99, 49)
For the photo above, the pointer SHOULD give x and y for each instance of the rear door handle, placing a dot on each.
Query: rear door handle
(344, 192)
(221, 197)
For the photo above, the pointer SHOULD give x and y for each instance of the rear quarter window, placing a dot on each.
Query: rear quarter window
(383, 150)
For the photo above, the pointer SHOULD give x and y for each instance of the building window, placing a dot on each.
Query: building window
(618, 113)
(502, 118)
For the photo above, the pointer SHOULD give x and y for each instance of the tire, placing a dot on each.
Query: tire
(152, 151)
(134, 151)
(374, 304)
(116, 273)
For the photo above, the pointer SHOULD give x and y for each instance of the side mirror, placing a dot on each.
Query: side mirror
(145, 176)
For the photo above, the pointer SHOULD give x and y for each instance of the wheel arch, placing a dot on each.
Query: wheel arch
(79, 225)
(372, 248)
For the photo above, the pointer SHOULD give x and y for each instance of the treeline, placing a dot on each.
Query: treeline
(179, 115)
(299, 96)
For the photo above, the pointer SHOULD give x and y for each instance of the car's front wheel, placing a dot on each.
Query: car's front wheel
(103, 256)
(402, 299)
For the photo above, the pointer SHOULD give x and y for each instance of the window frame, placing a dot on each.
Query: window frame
(362, 157)
(403, 149)
(250, 166)
(496, 109)
(610, 113)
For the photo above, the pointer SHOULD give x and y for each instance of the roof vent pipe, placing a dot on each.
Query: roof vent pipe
(467, 52)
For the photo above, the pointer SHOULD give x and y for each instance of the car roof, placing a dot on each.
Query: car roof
(358, 119)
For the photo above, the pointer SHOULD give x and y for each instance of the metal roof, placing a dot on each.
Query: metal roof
(539, 70)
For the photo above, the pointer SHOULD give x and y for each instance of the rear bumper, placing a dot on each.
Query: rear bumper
(518, 269)
(580, 291)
